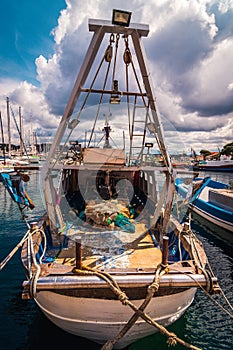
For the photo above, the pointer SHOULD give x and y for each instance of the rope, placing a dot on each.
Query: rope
(224, 296)
(81, 108)
(35, 276)
(128, 59)
(108, 58)
(115, 57)
(127, 81)
(208, 274)
(193, 239)
(150, 292)
(28, 236)
(172, 338)
(14, 250)
(220, 289)
(209, 295)
(227, 301)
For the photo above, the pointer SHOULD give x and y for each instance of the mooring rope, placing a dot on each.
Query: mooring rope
(150, 292)
(19, 245)
(222, 292)
(36, 275)
(208, 294)
(14, 250)
(172, 337)
(208, 274)
(28, 236)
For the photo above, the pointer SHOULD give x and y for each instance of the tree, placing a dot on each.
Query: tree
(205, 153)
(228, 149)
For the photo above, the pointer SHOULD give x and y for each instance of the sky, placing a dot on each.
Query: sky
(189, 51)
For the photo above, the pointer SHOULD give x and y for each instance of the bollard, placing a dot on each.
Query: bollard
(78, 249)
(165, 251)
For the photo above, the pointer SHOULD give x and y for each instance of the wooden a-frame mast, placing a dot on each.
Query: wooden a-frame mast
(100, 28)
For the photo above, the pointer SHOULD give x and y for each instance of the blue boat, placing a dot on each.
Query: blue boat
(212, 200)
(13, 182)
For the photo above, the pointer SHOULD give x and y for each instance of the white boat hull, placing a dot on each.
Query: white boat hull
(214, 220)
(100, 320)
(213, 206)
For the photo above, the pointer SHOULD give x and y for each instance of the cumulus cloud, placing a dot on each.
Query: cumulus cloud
(190, 52)
(212, 78)
(192, 57)
(34, 110)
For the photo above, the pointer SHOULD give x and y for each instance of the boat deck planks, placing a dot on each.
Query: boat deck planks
(144, 256)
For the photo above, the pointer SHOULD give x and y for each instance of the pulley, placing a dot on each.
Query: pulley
(108, 52)
(127, 57)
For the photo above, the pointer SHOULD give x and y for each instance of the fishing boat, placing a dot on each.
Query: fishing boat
(224, 164)
(108, 260)
(210, 199)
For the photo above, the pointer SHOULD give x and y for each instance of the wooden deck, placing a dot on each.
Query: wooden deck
(143, 256)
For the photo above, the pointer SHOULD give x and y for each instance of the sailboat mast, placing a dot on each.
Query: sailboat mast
(9, 126)
(20, 128)
(3, 143)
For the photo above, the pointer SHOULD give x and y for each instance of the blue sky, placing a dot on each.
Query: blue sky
(26, 33)
(190, 52)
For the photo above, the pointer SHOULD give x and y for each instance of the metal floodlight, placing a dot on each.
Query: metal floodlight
(121, 18)
(149, 144)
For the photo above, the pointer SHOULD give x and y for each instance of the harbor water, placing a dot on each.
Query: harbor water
(23, 326)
